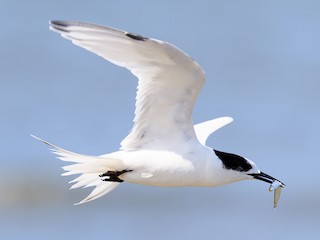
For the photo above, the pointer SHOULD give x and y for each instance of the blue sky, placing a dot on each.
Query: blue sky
(261, 60)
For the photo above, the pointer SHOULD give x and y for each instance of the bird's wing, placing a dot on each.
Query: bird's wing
(169, 80)
(205, 129)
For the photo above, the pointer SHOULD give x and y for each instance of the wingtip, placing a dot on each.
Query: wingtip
(229, 119)
(54, 21)
(59, 25)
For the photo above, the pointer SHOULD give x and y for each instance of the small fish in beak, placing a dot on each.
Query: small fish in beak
(275, 185)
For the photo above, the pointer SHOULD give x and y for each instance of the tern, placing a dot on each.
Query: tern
(164, 148)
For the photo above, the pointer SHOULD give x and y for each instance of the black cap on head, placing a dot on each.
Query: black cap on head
(233, 161)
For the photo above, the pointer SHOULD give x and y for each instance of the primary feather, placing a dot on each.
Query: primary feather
(169, 80)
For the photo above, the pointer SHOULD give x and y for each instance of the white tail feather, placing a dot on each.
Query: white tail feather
(100, 190)
(89, 168)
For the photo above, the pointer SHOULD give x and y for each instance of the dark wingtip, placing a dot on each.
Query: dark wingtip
(59, 25)
(136, 37)
(58, 22)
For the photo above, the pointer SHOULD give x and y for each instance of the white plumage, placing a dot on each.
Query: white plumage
(90, 167)
(163, 147)
(169, 80)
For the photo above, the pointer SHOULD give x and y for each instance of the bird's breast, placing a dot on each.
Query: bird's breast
(168, 169)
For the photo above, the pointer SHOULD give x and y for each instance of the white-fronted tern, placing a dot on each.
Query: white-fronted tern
(163, 147)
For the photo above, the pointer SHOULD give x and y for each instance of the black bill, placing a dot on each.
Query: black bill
(265, 177)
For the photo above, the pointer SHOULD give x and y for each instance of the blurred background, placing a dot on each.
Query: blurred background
(262, 63)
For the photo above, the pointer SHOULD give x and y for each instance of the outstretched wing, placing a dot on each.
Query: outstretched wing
(169, 80)
(205, 129)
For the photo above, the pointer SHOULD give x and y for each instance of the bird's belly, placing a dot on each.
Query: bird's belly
(165, 179)
(170, 171)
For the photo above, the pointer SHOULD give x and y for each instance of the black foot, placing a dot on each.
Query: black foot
(113, 176)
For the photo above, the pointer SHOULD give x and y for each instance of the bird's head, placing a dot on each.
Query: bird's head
(239, 168)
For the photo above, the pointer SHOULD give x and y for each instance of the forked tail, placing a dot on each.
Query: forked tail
(89, 168)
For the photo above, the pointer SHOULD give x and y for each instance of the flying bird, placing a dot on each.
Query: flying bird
(163, 148)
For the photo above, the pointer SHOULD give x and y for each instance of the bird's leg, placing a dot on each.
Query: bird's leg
(113, 176)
